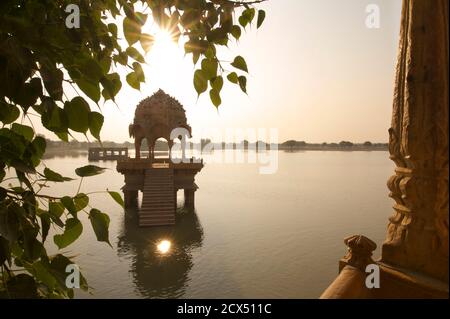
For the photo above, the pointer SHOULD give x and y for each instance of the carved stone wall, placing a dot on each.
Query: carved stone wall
(417, 236)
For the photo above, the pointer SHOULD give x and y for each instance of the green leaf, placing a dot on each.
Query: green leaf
(69, 205)
(139, 72)
(45, 225)
(243, 83)
(100, 224)
(92, 90)
(250, 14)
(22, 286)
(43, 274)
(91, 69)
(239, 63)
(81, 200)
(105, 64)
(77, 112)
(215, 97)
(8, 113)
(63, 136)
(95, 124)
(56, 220)
(116, 196)
(246, 17)
(5, 252)
(54, 176)
(39, 144)
(72, 231)
(233, 78)
(22, 168)
(209, 67)
(243, 21)
(132, 30)
(132, 52)
(112, 85)
(112, 27)
(52, 77)
(210, 52)
(200, 81)
(34, 90)
(58, 265)
(141, 18)
(133, 80)
(24, 130)
(121, 58)
(261, 18)
(217, 83)
(195, 57)
(89, 170)
(9, 222)
(55, 119)
(56, 208)
(236, 32)
(33, 248)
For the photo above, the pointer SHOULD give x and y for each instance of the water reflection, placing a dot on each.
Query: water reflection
(160, 256)
(63, 153)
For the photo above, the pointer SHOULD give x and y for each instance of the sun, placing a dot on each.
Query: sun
(167, 65)
(166, 60)
(164, 48)
(164, 38)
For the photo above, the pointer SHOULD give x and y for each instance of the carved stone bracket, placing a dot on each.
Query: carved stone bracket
(418, 231)
(359, 253)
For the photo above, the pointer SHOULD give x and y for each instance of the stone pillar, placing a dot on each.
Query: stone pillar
(170, 145)
(417, 236)
(351, 281)
(359, 252)
(130, 198)
(175, 198)
(189, 198)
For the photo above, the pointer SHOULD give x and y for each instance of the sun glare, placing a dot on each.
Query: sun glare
(167, 65)
(163, 246)
(164, 47)
(164, 37)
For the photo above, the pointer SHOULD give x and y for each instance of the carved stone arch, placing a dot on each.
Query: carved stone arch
(138, 133)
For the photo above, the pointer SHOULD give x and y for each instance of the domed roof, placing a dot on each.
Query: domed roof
(159, 100)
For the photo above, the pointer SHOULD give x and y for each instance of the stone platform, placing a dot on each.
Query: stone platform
(159, 180)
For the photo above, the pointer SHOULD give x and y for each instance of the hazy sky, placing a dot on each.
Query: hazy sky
(317, 73)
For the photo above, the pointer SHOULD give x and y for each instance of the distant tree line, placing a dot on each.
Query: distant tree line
(290, 145)
(347, 145)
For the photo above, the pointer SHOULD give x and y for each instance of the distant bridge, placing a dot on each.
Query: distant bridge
(107, 153)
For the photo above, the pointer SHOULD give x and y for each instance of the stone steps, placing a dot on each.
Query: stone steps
(158, 202)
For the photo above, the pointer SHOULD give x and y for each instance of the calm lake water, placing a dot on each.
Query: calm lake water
(252, 235)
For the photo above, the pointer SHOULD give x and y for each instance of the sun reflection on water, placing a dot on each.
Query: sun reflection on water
(163, 246)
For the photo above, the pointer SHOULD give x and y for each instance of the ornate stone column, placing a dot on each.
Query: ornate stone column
(417, 235)
(189, 198)
(130, 198)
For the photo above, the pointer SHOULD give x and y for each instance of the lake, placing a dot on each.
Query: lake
(251, 236)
